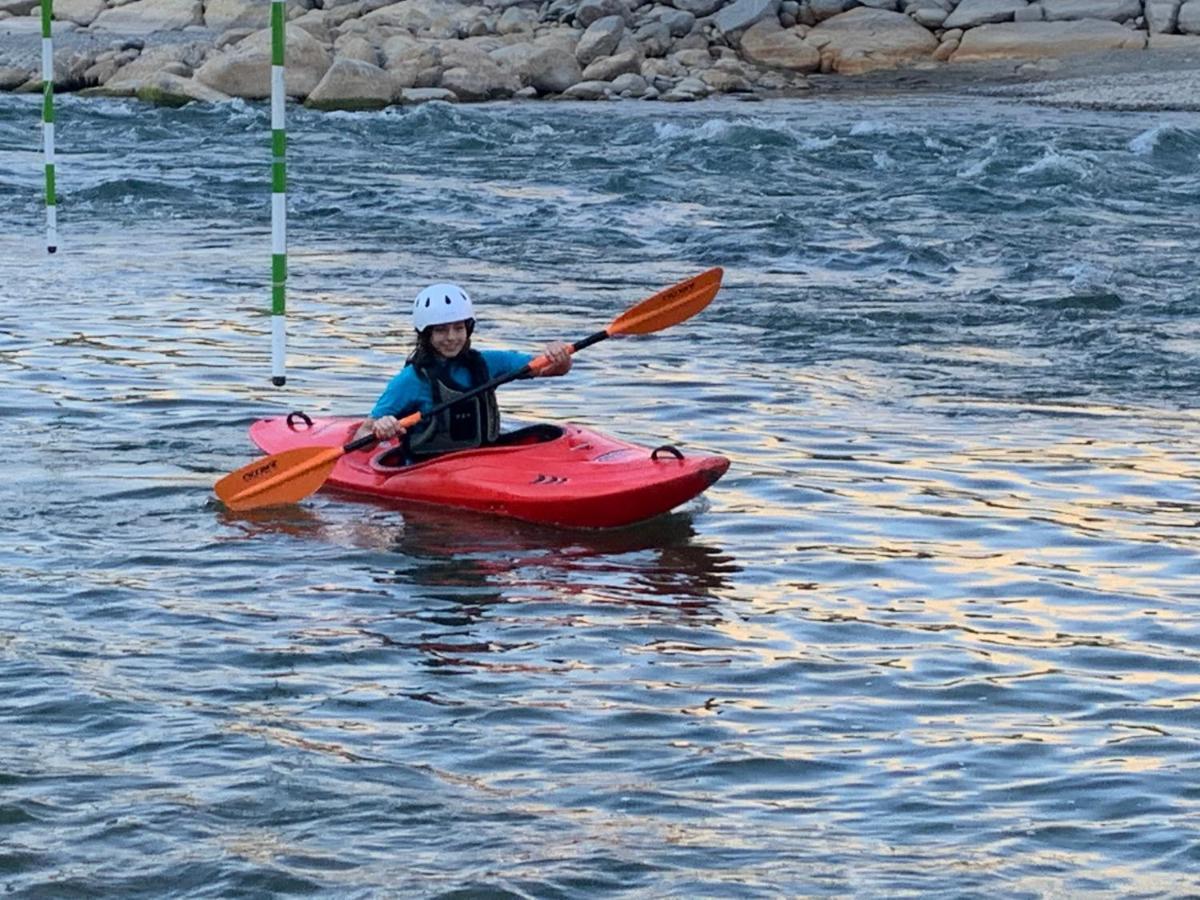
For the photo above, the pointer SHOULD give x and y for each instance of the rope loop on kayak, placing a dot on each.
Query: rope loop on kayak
(666, 448)
(302, 416)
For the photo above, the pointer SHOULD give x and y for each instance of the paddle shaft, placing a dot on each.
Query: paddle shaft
(532, 366)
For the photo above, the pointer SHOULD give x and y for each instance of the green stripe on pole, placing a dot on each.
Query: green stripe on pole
(50, 191)
(277, 34)
(278, 283)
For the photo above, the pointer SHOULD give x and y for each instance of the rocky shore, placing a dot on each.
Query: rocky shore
(362, 54)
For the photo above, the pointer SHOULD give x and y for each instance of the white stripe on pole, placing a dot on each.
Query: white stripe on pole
(278, 348)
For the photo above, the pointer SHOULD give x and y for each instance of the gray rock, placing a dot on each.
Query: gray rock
(678, 21)
(741, 14)
(686, 91)
(1114, 10)
(932, 16)
(827, 9)
(699, 8)
(723, 82)
(609, 67)
(515, 20)
(141, 69)
(654, 38)
(81, 12)
(355, 46)
(1188, 20)
(12, 77)
(600, 39)
(971, 13)
(767, 44)
(591, 10)
(547, 69)
(19, 7)
(224, 14)
(147, 16)
(863, 40)
(1035, 40)
(1162, 16)
(426, 95)
(588, 90)
(692, 59)
(630, 85)
(352, 84)
(1032, 13)
(245, 69)
(161, 89)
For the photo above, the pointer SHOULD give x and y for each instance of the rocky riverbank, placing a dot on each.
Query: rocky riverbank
(355, 54)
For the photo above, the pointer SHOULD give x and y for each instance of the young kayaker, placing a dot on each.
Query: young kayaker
(442, 366)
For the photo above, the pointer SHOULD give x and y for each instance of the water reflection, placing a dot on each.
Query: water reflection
(474, 592)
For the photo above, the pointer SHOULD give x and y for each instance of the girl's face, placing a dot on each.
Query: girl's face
(448, 340)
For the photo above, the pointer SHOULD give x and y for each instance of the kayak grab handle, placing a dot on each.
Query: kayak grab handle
(302, 416)
(666, 448)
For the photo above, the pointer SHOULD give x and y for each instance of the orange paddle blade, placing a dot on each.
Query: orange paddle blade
(670, 306)
(281, 478)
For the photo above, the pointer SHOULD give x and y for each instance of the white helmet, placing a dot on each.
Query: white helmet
(440, 304)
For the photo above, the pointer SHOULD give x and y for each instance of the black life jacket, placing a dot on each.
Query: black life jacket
(474, 422)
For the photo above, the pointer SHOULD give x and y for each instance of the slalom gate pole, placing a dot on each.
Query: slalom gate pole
(278, 195)
(48, 125)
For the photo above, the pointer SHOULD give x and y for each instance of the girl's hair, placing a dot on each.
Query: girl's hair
(424, 358)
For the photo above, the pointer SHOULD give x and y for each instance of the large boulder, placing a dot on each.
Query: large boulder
(741, 14)
(161, 89)
(472, 74)
(352, 84)
(1162, 16)
(589, 11)
(1034, 40)
(699, 8)
(141, 70)
(971, 13)
(609, 67)
(81, 12)
(600, 39)
(547, 69)
(864, 39)
(244, 70)
(1188, 19)
(430, 18)
(769, 44)
(146, 16)
(19, 7)
(1114, 10)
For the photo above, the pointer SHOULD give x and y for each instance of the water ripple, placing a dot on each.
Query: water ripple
(932, 634)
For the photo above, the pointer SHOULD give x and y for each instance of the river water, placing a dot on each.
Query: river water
(934, 634)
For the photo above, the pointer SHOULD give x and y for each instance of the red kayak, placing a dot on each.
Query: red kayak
(556, 475)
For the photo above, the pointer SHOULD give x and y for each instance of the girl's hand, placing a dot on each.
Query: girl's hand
(387, 427)
(559, 355)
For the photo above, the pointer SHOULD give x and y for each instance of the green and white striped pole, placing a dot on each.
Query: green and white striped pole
(278, 196)
(48, 125)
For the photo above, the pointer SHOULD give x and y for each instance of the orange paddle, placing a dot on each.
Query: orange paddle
(294, 474)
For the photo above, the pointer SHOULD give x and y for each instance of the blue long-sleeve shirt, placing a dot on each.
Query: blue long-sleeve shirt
(407, 392)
